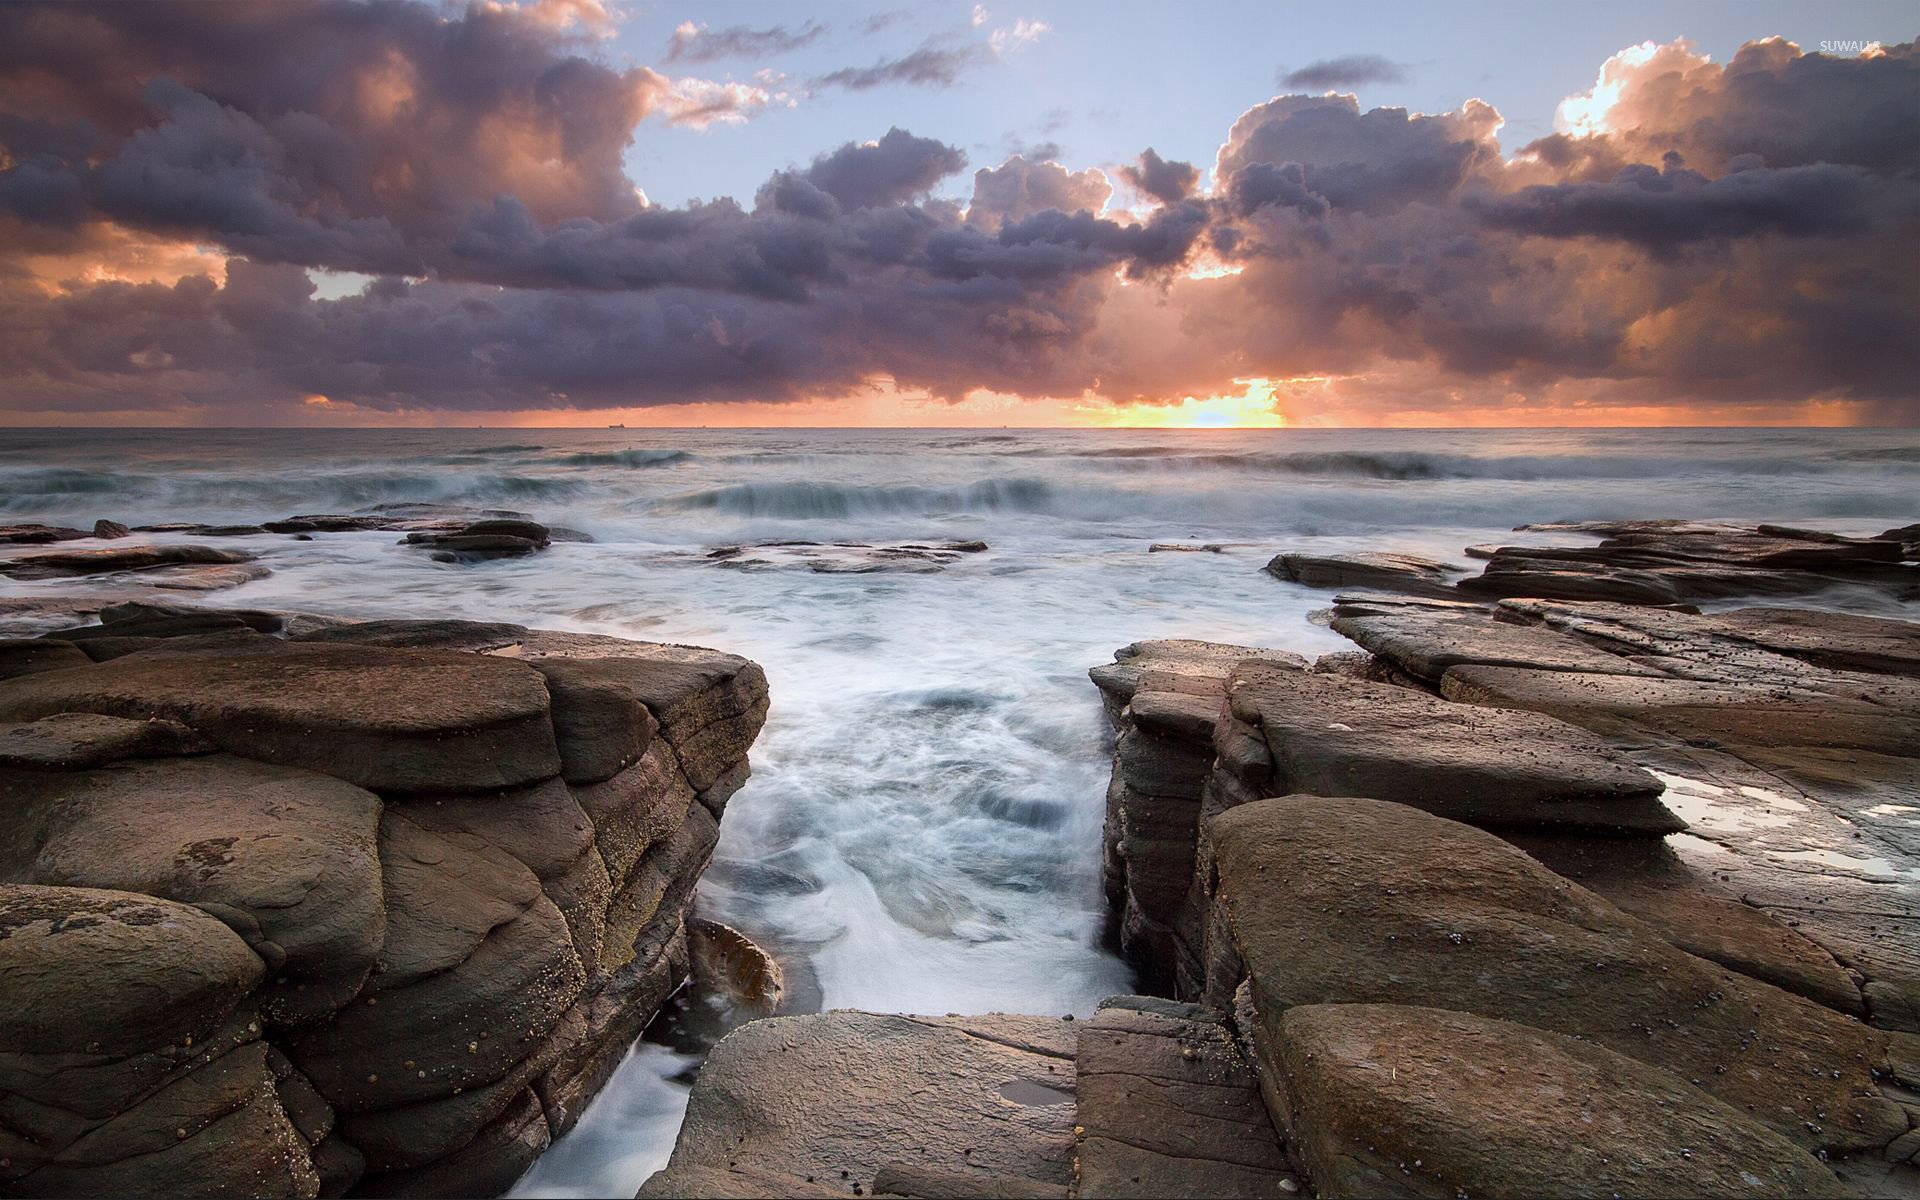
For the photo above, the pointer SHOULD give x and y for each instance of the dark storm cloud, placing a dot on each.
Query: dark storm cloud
(697, 43)
(1348, 70)
(929, 66)
(1163, 180)
(1663, 209)
(1742, 232)
(893, 170)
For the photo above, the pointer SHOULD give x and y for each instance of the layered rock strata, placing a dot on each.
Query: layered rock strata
(299, 908)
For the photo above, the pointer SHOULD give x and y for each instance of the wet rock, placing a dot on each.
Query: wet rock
(198, 530)
(1403, 573)
(1366, 902)
(1668, 562)
(104, 528)
(786, 1103)
(845, 558)
(32, 533)
(1385, 1100)
(1330, 736)
(97, 561)
(1168, 1106)
(490, 538)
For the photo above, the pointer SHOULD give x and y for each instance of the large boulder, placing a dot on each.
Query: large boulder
(790, 1103)
(130, 1061)
(439, 968)
(284, 856)
(1351, 901)
(1386, 1100)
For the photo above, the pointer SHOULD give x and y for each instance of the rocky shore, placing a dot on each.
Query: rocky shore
(1555, 885)
(296, 906)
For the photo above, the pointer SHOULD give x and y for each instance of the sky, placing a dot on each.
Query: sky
(556, 212)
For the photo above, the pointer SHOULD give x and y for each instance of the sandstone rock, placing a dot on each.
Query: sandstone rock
(1366, 902)
(1331, 736)
(491, 538)
(442, 721)
(1167, 1106)
(422, 635)
(1647, 562)
(32, 533)
(199, 530)
(600, 717)
(1407, 573)
(1425, 645)
(96, 561)
(709, 705)
(78, 741)
(845, 558)
(1385, 1100)
(786, 1103)
(1176, 656)
(1694, 911)
(1736, 714)
(27, 656)
(286, 857)
(101, 972)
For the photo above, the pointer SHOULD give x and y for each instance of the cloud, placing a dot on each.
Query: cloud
(1020, 188)
(1348, 70)
(893, 170)
(1661, 209)
(1017, 35)
(697, 43)
(699, 103)
(1695, 235)
(929, 66)
(1163, 180)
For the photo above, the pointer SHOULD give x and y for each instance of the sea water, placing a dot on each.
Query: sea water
(922, 830)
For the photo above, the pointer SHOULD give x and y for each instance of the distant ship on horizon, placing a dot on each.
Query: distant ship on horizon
(619, 426)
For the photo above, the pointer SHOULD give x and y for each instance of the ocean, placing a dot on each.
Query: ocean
(922, 831)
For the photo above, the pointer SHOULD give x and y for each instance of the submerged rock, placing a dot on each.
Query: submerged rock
(97, 561)
(845, 558)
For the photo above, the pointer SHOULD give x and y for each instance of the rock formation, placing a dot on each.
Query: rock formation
(298, 908)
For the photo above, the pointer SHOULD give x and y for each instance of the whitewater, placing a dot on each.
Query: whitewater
(921, 833)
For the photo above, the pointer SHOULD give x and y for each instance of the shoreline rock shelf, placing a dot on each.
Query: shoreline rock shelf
(299, 907)
(1529, 895)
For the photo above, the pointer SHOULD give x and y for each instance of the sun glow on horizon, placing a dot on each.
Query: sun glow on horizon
(1256, 407)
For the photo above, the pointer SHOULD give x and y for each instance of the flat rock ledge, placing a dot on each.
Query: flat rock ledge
(1662, 944)
(299, 907)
